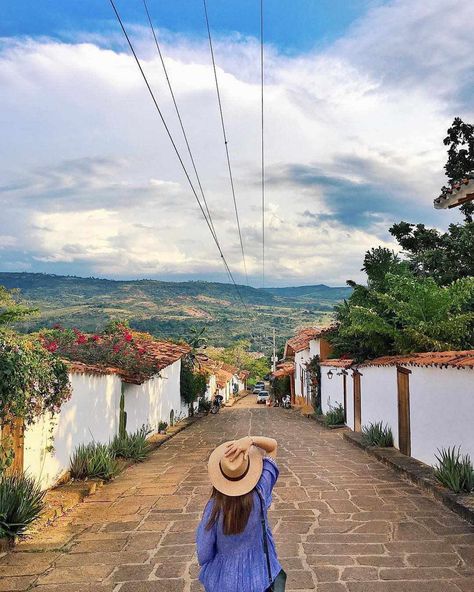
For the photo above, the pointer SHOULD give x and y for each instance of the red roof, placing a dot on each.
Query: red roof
(337, 363)
(301, 340)
(454, 359)
(161, 353)
(284, 369)
(456, 195)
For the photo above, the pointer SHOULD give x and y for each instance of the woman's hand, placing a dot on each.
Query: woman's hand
(238, 447)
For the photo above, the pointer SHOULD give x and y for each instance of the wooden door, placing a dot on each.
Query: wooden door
(403, 388)
(357, 401)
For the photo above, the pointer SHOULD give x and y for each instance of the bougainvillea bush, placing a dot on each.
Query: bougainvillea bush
(32, 381)
(117, 347)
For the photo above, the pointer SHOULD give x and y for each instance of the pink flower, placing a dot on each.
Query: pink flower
(52, 346)
(116, 348)
(96, 338)
(81, 338)
(128, 336)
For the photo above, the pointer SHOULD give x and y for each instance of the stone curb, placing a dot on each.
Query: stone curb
(418, 473)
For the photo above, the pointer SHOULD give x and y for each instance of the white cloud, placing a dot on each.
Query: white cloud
(89, 178)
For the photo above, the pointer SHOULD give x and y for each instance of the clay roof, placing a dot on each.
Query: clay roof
(223, 377)
(454, 359)
(301, 340)
(229, 368)
(338, 363)
(284, 369)
(244, 374)
(456, 195)
(161, 353)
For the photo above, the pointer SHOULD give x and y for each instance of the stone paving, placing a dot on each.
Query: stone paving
(343, 522)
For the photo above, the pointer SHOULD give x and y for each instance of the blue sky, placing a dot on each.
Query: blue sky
(292, 25)
(359, 96)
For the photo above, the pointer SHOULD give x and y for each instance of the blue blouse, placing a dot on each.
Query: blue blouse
(237, 562)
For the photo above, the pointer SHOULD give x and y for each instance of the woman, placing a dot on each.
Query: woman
(235, 546)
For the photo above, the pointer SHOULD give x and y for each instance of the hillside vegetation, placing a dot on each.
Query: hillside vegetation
(171, 309)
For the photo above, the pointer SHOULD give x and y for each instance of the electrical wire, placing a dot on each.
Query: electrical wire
(185, 136)
(183, 166)
(226, 143)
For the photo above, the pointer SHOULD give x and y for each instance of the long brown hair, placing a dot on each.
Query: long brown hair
(235, 511)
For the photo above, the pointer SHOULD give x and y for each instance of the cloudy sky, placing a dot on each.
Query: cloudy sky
(358, 99)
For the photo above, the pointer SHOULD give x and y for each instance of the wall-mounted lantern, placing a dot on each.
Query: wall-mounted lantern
(330, 374)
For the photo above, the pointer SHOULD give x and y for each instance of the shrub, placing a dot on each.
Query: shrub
(162, 426)
(93, 460)
(377, 434)
(133, 446)
(21, 502)
(335, 415)
(455, 471)
(204, 405)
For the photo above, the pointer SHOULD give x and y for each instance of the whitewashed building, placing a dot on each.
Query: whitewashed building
(93, 411)
(427, 399)
(301, 348)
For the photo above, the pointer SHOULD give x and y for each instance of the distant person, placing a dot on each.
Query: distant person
(235, 545)
(218, 400)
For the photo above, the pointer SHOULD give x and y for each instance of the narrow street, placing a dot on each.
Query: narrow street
(343, 522)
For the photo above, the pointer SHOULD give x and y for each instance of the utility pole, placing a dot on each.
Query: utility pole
(274, 357)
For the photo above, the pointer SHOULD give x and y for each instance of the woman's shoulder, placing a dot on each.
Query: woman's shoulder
(269, 477)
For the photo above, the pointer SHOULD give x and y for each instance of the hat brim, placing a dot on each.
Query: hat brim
(235, 488)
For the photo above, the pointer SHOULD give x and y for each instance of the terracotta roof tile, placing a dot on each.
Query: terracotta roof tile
(284, 369)
(338, 363)
(457, 194)
(301, 340)
(454, 359)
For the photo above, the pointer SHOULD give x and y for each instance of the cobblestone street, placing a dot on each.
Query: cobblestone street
(343, 522)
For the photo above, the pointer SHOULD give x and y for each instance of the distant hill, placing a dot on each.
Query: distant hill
(170, 309)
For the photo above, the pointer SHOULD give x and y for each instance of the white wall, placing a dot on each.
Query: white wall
(152, 402)
(92, 413)
(301, 358)
(442, 410)
(379, 397)
(332, 390)
(314, 348)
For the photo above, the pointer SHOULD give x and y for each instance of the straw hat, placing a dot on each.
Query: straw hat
(236, 477)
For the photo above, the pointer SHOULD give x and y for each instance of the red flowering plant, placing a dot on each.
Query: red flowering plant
(117, 346)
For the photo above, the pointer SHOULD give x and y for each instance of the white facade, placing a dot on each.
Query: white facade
(379, 397)
(158, 399)
(332, 389)
(91, 414)
(441, 404)
(301, 359)
(441, 410)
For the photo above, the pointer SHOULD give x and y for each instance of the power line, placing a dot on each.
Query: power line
(262, 84)
(226, 143)
(175, 148)
(185, 136)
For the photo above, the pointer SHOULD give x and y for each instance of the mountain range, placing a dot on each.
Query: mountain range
(171, 309)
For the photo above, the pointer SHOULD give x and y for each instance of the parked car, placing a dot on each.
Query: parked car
(263, 396)
(257, 389)
(260, 383)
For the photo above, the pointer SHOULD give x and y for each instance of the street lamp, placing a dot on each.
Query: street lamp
(330, 374)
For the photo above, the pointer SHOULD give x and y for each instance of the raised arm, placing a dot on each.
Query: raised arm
(244, 444)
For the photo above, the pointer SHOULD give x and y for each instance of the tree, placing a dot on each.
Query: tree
(445, 256)
(239, 355)
(410, 314)
(460, 164)
(193, 382)
(12, 308)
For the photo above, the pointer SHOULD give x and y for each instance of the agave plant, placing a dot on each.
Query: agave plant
(133, 446)
(335, 416)
(21, 502)
(454, 470)
(377, 434)
(93, 460)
